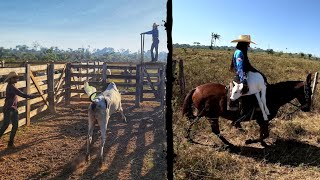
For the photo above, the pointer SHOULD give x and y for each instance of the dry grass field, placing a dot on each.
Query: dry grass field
(294, 151)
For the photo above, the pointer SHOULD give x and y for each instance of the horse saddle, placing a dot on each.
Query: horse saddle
(238, 105)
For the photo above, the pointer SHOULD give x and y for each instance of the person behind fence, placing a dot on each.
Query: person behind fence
(10, 112)
(155, 41)
(240, 65)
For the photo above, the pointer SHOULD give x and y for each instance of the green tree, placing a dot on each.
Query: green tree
(214, 38)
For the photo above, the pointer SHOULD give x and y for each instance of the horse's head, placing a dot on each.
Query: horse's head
(236, 91)
(304, 96)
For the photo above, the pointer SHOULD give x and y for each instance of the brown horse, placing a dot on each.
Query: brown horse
(211, 101)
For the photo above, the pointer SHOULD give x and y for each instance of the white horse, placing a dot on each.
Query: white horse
(256, 85)
(102, 107)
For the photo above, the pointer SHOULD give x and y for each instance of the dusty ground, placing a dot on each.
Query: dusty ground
(54, 146)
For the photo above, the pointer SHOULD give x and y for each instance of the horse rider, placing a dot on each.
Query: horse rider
(240, 65)
(10, 112)
(155, 41)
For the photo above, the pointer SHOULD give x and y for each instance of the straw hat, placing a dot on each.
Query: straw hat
(154, 24)
(11, 75)
(244, 38)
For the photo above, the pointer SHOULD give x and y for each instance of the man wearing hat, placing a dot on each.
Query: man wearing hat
(240, 65)
(155, 41)
(10, 112)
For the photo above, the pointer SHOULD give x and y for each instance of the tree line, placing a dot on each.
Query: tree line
(38, 53)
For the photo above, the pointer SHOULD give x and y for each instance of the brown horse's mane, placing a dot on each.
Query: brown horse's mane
(282, 88)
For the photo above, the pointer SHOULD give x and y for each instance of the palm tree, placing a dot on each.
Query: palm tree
(214, 38)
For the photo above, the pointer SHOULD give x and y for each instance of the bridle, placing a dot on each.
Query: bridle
(307, 97)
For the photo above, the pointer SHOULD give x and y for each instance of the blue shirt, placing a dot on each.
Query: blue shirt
(238, 59)
(155, 34)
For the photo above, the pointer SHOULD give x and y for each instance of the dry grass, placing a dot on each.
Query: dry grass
(294, 151)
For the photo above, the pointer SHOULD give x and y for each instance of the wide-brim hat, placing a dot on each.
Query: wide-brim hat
(244, 38)
(154, 24)
(11, 75)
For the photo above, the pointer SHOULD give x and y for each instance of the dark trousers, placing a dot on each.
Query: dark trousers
(154, 45)
(10, 115)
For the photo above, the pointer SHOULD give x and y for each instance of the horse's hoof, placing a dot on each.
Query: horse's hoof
(249, 141)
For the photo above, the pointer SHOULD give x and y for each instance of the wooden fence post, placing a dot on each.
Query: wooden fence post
(314, 84)
(104, 72)
(162, 84)
(94, 71)
(141, 82)
(51, 96)
(87, 70)
(68, 84)
(182, 79)
(28, 85)
(137, 100)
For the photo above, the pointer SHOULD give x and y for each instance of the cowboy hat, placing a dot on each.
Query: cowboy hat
(244, 38)
(154, 24)
(11, 75)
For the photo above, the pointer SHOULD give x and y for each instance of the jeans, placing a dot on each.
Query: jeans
(10, 115)
(154, 45)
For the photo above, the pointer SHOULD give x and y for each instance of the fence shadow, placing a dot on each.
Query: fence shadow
(133, 150)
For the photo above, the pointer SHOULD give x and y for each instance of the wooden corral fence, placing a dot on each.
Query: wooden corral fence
(63, 83)
(33, 79)
(145, 82)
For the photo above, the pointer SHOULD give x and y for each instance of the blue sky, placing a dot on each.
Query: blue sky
(275, 24)
(80, 23)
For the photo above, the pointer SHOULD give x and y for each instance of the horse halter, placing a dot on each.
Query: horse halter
(306, 90)
(307, 96)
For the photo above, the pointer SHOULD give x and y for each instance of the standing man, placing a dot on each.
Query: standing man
(155, 41)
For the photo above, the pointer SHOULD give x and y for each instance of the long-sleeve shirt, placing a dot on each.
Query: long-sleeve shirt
(155, 34)
(12, 94)
(238, 59)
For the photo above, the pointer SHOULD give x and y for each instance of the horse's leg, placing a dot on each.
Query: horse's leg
(216, 130)
(122, 114)
(89, 136)
(264, 101)
(103, 127)
(264, 133)
(265, 117)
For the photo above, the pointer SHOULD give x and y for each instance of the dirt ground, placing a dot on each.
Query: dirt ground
(54, 146)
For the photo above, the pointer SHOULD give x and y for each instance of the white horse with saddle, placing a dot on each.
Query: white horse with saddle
(256, 86)
(102, 107)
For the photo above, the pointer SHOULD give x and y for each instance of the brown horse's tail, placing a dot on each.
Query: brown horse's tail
(187, 105)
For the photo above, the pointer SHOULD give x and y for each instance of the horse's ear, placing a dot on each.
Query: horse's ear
(235, 83)
(241, 86)
(309, 79)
